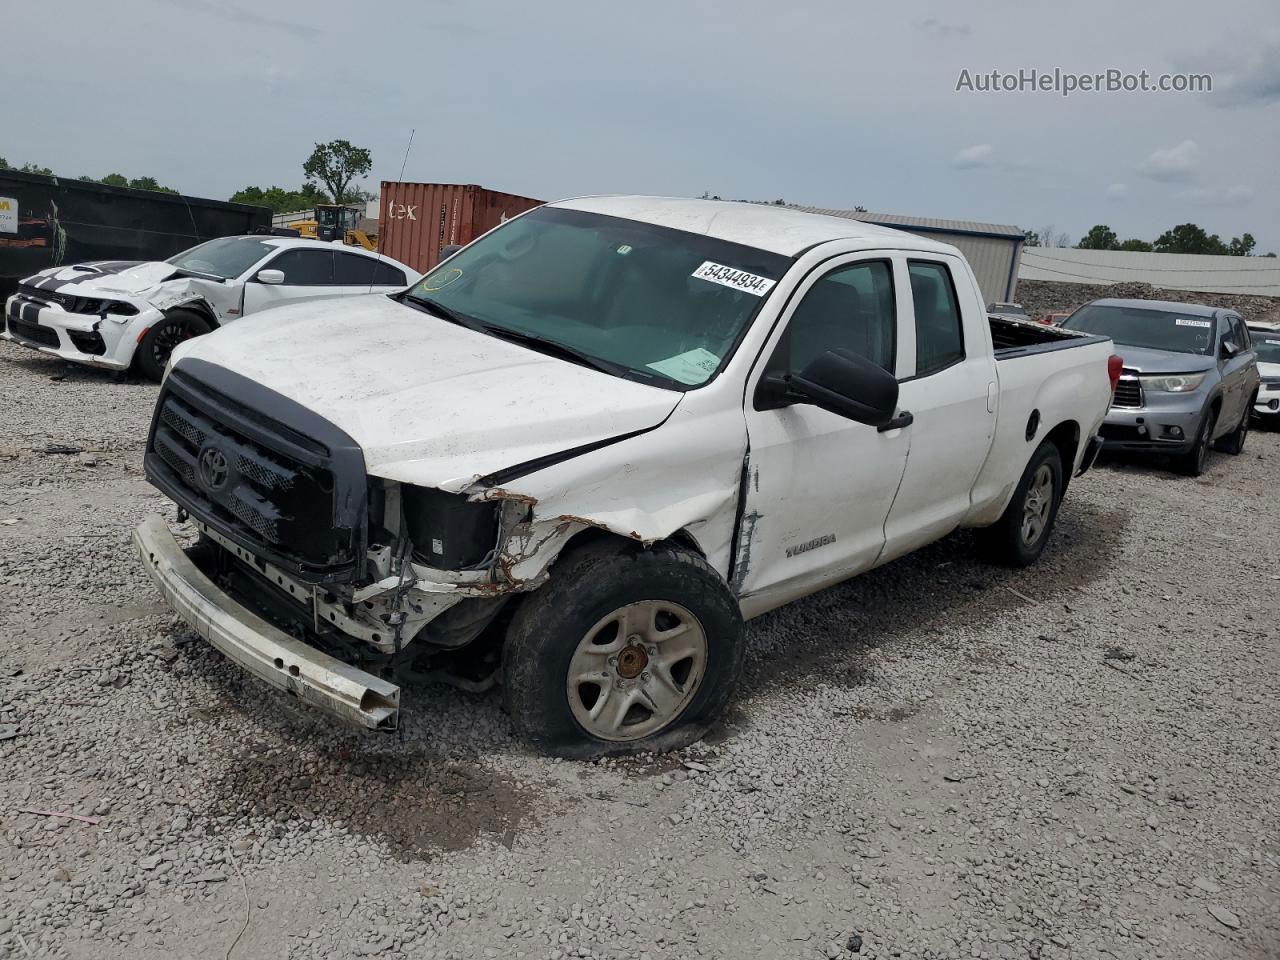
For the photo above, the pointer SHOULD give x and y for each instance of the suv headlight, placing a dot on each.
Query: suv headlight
(1173, 383)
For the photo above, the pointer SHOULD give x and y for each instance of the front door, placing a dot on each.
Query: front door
(308, 275)
(818, 486)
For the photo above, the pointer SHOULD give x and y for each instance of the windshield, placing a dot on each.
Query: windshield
(1015, 308)
(225, 257)
(651, 302)
(1143, 327)
(1266, 344)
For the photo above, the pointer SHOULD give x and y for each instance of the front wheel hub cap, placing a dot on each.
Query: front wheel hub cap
(636, 670)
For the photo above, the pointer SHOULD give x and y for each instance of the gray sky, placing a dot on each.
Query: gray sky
(823, 103)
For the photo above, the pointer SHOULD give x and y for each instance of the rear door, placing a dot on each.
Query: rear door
(308, 275)
(354, 273)
(951, 392)
(819, 486)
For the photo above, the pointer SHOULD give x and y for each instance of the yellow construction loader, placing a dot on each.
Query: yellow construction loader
(332, 221)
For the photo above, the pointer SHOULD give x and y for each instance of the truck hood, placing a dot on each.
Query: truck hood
(1145, 360)
(430, 403)
(1269, 369)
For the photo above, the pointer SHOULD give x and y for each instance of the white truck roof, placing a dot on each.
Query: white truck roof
(761, 225)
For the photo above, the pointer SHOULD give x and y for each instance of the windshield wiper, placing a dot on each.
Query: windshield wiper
(531, 340)
(443, 312)
(557, 349)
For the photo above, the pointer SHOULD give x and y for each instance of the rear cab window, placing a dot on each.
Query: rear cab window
(939, 329)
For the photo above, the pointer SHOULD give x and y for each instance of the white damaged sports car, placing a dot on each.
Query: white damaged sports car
(121, 314)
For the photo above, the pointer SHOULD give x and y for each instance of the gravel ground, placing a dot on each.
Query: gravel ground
(936, 760)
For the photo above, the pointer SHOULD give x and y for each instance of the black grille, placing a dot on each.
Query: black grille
(1271, 381)
(66, 301)
(290, 499)
(32, 332)
(1128, 391)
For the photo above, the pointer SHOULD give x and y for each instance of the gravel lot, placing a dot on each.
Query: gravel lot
(936, 760)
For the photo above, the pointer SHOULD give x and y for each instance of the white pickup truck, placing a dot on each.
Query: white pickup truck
(578, 454)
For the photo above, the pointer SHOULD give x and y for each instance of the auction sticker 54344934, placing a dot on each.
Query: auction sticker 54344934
(750, 283)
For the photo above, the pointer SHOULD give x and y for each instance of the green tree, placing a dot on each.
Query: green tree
(1133, 243)
(4, 164)
(336, 165)
(1189, 238)
(115, 180)
(35, 168)
(1241, 246)
(281, 200)
(149, 183)
(1099, 237)
(1031, 238)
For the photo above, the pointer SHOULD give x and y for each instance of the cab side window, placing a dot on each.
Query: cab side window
(939, 334)
(851, 308)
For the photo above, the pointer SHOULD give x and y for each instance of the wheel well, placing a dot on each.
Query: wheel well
(592, 535)
(1066, 437)
(197, 306)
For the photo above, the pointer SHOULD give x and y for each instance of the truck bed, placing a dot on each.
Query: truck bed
(1016, 338)
(1052, 383)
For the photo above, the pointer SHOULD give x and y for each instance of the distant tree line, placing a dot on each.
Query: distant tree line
(335, 166)
(1184, 238)
(330, 171)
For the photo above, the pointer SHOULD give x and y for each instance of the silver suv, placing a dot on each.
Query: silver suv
(1190, 377)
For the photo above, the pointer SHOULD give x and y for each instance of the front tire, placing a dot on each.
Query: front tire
(624, 650)
(1233, 443)
(177, 326)
(1193, 462)
(1018, 538)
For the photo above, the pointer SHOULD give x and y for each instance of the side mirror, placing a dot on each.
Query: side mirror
(1229, 349)
(850, 386)
(270, 276)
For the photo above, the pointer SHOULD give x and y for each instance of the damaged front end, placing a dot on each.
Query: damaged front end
(305, 566)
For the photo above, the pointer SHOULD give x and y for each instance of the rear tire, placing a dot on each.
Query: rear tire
(624, 650)
(1192, 464)
(153, 352)
(1233, 443)
(1018, 538)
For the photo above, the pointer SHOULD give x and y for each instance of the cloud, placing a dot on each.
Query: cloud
(943, 29)
(251, 18)
(1252, 78)
(1235, 194)
(1117, 191)
(972, 158)
(1171, 164)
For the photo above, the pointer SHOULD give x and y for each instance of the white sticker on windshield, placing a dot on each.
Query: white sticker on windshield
(1274, 343)
(737, 279)
(1184, 322)
(692, 366)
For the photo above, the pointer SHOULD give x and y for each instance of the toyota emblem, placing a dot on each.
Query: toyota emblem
(213, 468)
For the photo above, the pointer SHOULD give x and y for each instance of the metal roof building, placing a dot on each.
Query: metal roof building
(1259, 276)
(992, 249)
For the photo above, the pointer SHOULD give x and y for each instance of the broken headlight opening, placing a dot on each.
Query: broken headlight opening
(116, 309)
(448, 531)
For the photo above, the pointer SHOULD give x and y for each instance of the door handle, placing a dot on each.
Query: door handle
(903, 419)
